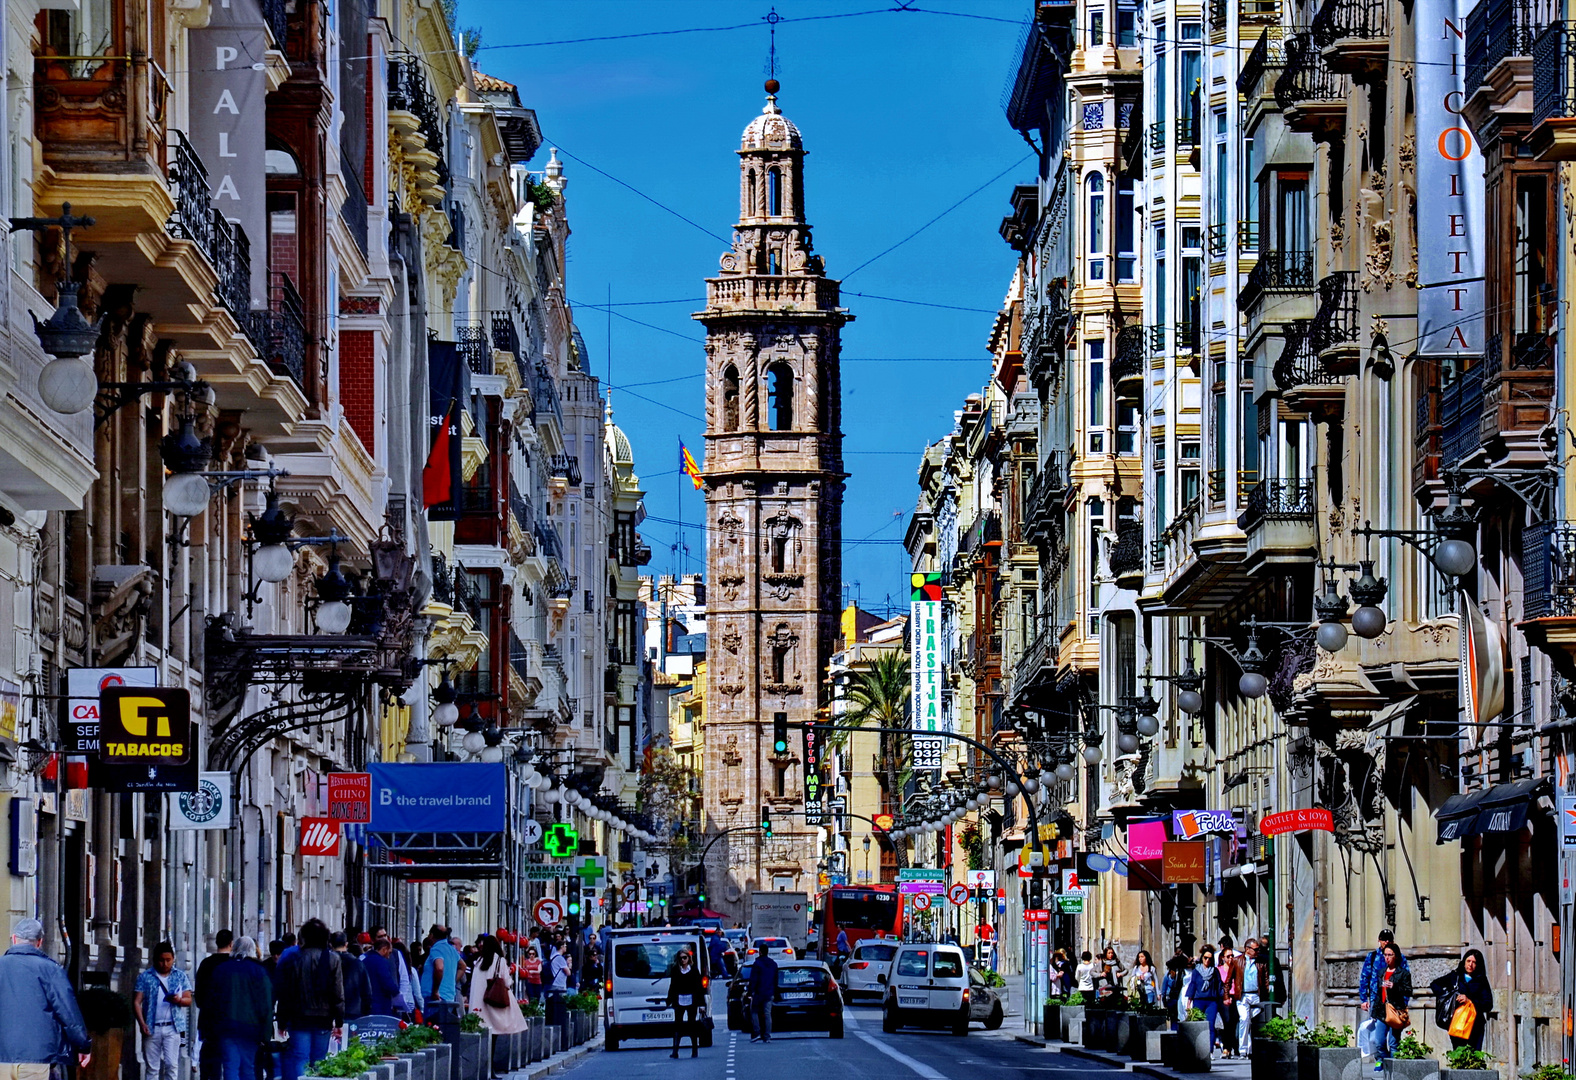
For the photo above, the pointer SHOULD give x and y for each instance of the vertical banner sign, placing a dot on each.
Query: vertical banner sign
(229, 87)
(1449, 190)
(924, 629)
(814, 812)
(443, 479)
(1482, 668)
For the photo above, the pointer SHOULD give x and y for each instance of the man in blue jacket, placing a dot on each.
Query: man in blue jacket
(763, 988)
(41, 1024)
(1373, 971)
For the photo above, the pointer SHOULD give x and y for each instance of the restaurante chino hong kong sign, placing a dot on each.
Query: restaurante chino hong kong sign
(1291, 821)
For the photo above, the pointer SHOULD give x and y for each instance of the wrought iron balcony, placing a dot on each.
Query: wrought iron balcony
(1299, 364)
(1267, 57)
(1157, 137)
(1127, 554)
(1334, 329)
(1461, 416)
(1354, 34)
(1045, 498)
(475, 348)
(1499, 29)
(1217, 239)
(1313, 97)
(1548, 569)
(520, 507)
(1187, 336)
(280, 332)
(566, 466)
(1037, 663)
(547, 539)
(278, 19)
(1247, 236)
(1278, 500)
(1279, 272)
(544, 396)
(1156, 334)
(1127, 367)
(1553, 134)
(410, 92)
(1187, 131)
(222, 241)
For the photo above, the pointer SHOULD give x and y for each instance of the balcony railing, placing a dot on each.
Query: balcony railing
(544, 396)
(280, 332)
(1306, 79)
(1548, 569)
(520, 507)
(1217, 239)
(1157, 337)
(1247, 236)
(223, 242)
(1039, 656)
(475, 347)
(567, 466)
(1340, 20)
(409, 92)
(1299, 364)
(1532, 351)
(1187, 336)
(1129, 360)
(1278, 271)
(1461, 416)
(1278, 500)
(547, 539)
(1127, 554)
(1497, 29)
(1335, 321)
(277, 18)
(1187, 130)
(1267, 55)
(1554, 74)
(1157, 137)
(1045, 498)
(519, 657)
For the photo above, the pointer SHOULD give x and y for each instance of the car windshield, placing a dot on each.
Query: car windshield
(914, 962)
(948, 965)
(652, 960)
(801, 979)
(880, 953)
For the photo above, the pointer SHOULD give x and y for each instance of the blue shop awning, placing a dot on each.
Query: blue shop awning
(1502, 808)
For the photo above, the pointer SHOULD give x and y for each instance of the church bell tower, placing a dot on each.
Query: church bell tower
(774, 500)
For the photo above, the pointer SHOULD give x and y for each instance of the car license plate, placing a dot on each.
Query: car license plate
(807, 995)
(912, 1001)
(657, 1017)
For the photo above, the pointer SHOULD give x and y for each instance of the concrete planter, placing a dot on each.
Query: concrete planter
(1327, 1063)
(555, 1040)
(498, 1059)
(1133, 1033)
(538, 1038)
(1189, 1046)
(399, 1067)
(519, 1053)
(443, 1063)
(1069, 1023)
(381, 1072)
(1411, 1069)
(420, 1066)
(1272, 1060)
(470, 1053)
(1468, 1074)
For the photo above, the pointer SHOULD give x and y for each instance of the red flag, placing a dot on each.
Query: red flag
(437, 480)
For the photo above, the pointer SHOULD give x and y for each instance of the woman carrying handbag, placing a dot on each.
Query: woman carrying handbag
(1471, 1003)
(1389, 1007)
(492, 991)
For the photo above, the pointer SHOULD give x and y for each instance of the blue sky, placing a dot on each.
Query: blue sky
(901, 115)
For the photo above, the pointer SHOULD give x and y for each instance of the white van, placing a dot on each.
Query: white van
(635, 991)
(927, 986)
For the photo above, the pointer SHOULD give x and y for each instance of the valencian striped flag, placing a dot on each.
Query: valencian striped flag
(687, 463)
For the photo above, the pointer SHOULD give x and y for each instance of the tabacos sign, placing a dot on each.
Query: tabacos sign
(145, 725)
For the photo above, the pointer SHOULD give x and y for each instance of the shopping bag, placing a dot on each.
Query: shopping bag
(1462, 1022)
(1368, 1037)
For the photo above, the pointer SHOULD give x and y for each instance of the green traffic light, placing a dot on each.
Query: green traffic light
(782, 746)
(574, 908)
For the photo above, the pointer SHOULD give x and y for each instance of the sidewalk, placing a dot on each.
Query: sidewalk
(1237, 1068)
(558, 1062)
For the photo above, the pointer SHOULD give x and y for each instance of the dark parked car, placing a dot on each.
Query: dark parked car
(807, 999)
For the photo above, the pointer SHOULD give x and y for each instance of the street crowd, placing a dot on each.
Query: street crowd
(1230, 988)
(270, 1017)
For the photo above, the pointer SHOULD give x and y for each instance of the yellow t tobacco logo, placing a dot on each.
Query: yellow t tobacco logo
(136, 712)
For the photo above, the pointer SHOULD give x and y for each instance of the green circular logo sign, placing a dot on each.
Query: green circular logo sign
(204, 804)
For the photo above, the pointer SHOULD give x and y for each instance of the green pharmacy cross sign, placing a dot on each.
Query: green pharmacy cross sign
(591, 870)
(561, 840)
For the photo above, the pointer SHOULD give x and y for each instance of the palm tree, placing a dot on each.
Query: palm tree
(879, 696)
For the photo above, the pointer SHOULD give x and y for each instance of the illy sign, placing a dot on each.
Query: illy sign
(319, 836)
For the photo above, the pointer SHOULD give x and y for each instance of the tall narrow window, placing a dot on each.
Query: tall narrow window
(751, 207)
(779, 554)
(782, 397)
(773, 263)
(1097, 396)
(1292, 221)
(1126, 231)
(1096, 27)
(774, 192)
(1095, 186)
(730, 398)
(1531, 264)
(779, 663)
(1161, 295)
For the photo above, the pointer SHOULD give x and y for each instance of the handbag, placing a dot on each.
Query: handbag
(1463, 1021)
(497, 993)
(1396, 1019)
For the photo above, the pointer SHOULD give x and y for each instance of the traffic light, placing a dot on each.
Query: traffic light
(700, 896)
(766, 820)
(573, 907)
(780, 733)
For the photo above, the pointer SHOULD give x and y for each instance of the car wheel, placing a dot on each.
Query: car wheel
(960, 1026)
(611, 1042)
(993, 1021)
(889, 1019)
(836, 1030)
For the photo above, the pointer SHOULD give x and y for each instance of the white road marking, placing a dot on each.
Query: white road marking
(918, 1067)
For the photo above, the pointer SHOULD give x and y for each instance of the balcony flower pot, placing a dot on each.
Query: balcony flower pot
(1134, 1031)
(1069, 1021)
(1330, 1063)
(1190, 1050)
(1272, 1059)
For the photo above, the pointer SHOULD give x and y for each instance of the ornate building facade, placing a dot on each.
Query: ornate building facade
(774, 489)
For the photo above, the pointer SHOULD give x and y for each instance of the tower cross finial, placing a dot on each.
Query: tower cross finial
(772, 19)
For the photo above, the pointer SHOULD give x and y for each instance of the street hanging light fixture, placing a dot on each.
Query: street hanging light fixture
(67, 384)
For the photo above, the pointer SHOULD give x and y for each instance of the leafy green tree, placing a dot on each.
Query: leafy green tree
(879, 696)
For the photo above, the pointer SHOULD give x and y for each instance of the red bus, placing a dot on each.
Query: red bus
(860, 911)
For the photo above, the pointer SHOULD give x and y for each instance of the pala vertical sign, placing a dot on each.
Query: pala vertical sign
(1449, 190)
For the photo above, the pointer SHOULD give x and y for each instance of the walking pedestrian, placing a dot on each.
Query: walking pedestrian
(492, 991)
(40, 1025)
(1367, 979)
(1084, 976)
(358, 985)
(311, 999)
(684, 998)
(1205, 989)
(1251, 980)
(383, 982)
(1470, 988)
(1393, 992)
(1143, 979)
(240, 1010)
(208, 1063)
(406, 1001)
(1112, 973)
(1227, 960)
(1171, 988)
(762, 990)
(163, 994)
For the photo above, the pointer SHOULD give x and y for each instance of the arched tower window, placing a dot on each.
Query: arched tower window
(730, 398)
(774, 263)
(774, 192)
(751, 207)
(781, 376)
(1095, 186)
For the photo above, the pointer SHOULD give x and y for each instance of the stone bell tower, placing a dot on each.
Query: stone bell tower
(774, 512)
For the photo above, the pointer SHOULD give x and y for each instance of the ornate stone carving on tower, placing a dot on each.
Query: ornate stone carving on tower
(774, 503)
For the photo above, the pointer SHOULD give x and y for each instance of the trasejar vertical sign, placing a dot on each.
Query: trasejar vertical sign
(925, 659)
(229, 122)
(1449, 190)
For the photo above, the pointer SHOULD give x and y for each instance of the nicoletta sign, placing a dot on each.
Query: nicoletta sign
(1290, 821)
(1183, 862)
(438, 797)
(1193, 824)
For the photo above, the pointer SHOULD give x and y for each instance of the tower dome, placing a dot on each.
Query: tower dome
(771, 130)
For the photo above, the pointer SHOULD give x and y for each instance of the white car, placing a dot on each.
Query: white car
(868, 969)
(639, 965)
(778, 948)
(928, 987)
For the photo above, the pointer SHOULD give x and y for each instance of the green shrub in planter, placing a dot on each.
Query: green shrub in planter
(471, 1024)
(1196, 1015)
(1075, 999)
(1411, 1048)
(1464, 1057)
(1327, 1036)
(1548, 1072)
(1279, 1029)
(532, 1009)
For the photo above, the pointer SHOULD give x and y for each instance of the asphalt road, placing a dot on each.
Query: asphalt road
(864, 1053)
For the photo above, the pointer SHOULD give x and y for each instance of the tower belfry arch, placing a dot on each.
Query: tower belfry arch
(774, 490)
